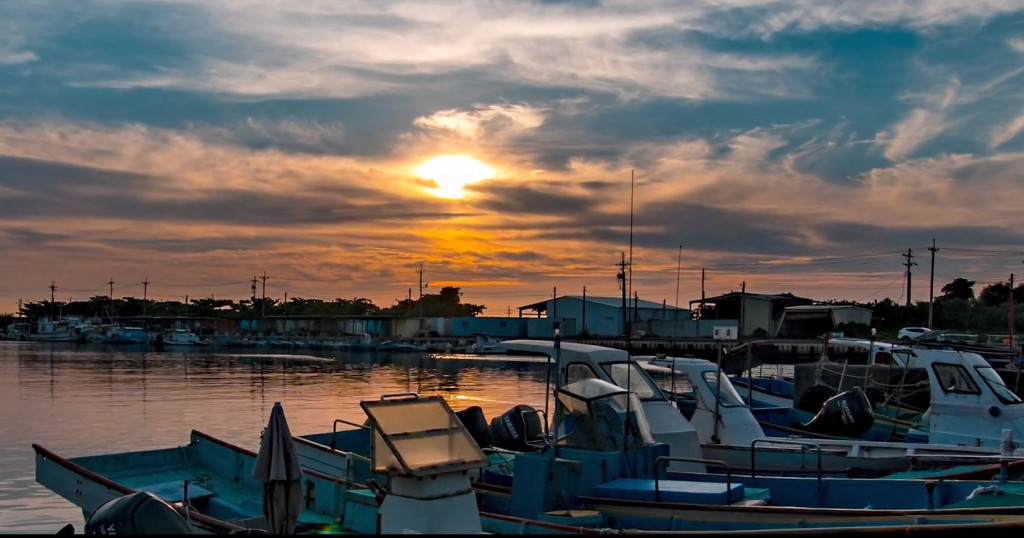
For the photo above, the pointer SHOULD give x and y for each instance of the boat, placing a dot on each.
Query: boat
(960, 398)
(63, 329)
(179, 337)
(736, 432)
(400, 347)
(117, 334)
(603, 473)
(210, 483)
(486, 345)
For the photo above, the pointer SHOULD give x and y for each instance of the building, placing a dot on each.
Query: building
(753, 311)
(812, 321)
(605, 316)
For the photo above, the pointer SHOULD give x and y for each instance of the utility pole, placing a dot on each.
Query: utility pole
(145, 290)
(421, 291)
(700, 313)
(53, 286)
(909, 256)
(743, 306)
(931, 285)
(622, 284)
(1011, 311)
(111, 298)
(554, 302)
(675, 314)
(263, 302)
(584, 328)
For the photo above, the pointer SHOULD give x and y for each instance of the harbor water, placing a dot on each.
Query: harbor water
(80, 400)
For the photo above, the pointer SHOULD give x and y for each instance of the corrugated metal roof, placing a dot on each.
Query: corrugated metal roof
(614, 302)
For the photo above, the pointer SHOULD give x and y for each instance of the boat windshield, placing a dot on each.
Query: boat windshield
(630, 376)
(997, 385)
(729, 396)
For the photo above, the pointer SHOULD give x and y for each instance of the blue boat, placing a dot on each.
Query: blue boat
(210, 483)
(598, 477)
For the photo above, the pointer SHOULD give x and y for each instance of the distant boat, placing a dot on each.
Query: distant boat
(67, 329)
(486, 345)
(181, 337)
(123, 335)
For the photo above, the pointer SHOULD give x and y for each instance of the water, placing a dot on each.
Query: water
(80, 401)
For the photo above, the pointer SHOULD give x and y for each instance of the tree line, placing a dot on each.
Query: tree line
(957, 309)
(446, 303)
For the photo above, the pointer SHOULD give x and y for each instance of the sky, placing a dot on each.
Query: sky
(794, 146)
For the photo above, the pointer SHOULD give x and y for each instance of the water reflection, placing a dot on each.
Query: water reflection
(80, 401)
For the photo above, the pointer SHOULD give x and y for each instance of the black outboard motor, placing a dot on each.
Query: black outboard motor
(473, 419)
(518, 425)
(848, 414)
(813, 398)
(138, 513)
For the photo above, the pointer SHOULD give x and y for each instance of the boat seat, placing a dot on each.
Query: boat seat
(174, 492)
(673, 491)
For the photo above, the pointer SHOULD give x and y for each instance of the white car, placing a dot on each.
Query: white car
(909, 334)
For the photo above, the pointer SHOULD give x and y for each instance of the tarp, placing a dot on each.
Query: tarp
(277, 466)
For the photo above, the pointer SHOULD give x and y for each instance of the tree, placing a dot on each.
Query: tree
(960, 288)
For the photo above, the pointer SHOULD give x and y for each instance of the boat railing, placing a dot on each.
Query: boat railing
(411, 395)
(804, 444)
(334, 432)
(660, 459)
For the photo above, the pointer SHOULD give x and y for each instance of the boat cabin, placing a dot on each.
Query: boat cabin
(575, 362)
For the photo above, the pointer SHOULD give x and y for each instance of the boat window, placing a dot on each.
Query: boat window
(632, 377)
(578, 371)
(729, 397)
(998, 386)
(679, 385)
(954, 378)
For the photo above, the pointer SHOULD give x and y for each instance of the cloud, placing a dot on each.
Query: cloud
(1006, 132)
(484, 120)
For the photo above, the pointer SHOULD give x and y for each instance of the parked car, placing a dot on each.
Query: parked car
(909, 334)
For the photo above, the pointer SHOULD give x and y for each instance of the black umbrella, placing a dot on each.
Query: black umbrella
(277, 466)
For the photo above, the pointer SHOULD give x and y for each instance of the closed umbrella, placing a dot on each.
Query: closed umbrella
(277, 466)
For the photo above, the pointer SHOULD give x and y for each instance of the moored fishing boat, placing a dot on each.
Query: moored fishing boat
(599, 476)
(211, 484)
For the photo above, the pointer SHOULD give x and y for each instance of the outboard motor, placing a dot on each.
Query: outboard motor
(138, 513)
(513, 429)
(473, 419)
(814, 397)
(848, 414)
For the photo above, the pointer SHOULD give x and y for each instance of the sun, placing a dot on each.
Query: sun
(450, 173)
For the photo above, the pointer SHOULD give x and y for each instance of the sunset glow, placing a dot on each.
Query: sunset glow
(339, 147)
(453, 172)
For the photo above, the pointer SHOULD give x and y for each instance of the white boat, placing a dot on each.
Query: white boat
(180, 337)
(739, 440)
(65, 329)
(964, 427)
(486, 345)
